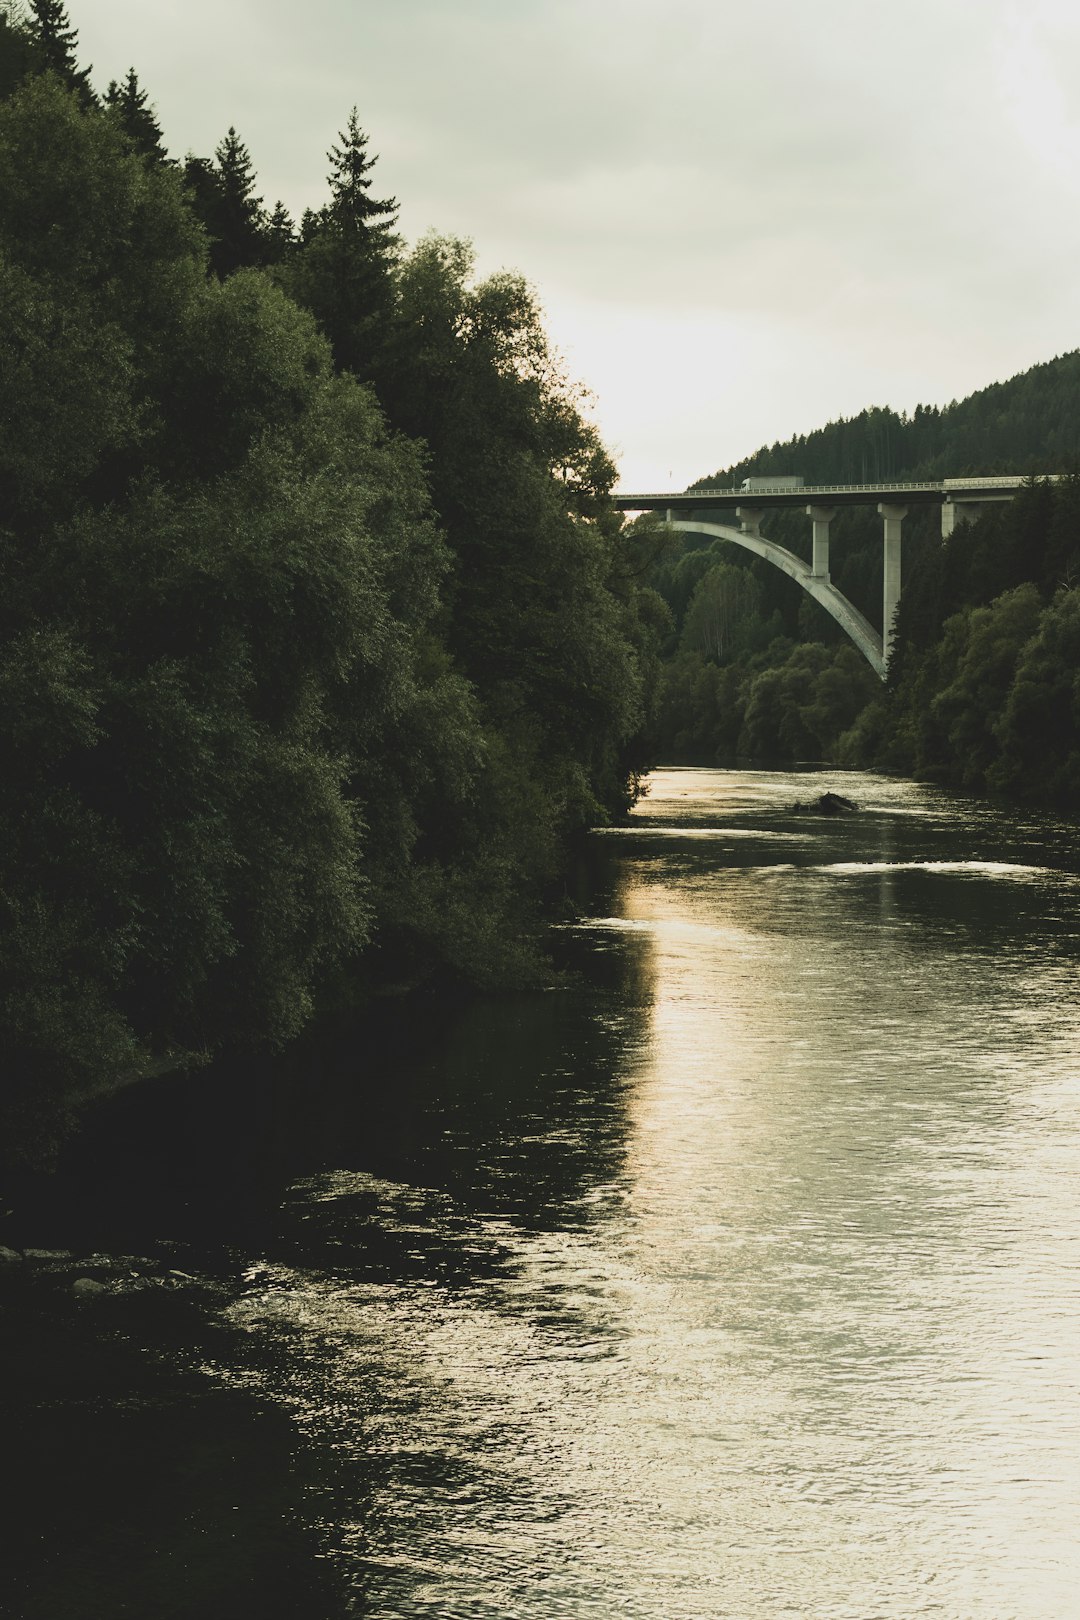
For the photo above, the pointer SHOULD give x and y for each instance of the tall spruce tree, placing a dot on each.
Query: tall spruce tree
(130, 105)
(203, 190)
(55, 41)
(350, 205)
(280, 234)
(345, 273)
(240, 224)
(223, 196)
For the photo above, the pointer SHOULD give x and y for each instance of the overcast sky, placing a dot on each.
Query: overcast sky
(743, 220)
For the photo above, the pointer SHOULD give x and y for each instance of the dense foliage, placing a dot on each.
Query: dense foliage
(318, 638)
(984, 691)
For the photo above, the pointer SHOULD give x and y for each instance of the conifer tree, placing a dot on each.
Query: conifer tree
(240, 223)
(55, 41)
(203, 189)
(130, 104)
(345, 273)
(280, 235)
(222, 194)
(351, 208)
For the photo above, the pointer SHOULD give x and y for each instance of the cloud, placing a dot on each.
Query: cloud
(844, 196)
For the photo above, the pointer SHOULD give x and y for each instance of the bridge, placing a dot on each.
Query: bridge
(960, 499)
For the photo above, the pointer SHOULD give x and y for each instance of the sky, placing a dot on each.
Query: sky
(742, 220)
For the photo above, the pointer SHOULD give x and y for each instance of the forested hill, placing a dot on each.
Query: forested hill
(1029, 424)
(320, 638)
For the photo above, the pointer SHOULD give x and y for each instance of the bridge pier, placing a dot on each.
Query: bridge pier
(821, 517)
(893, 518)
(749, 519)
(954, 512)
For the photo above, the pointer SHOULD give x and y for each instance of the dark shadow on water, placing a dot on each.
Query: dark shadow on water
(135, 1485)
(149, 1485)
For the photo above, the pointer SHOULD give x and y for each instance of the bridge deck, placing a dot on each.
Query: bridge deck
(899, 494)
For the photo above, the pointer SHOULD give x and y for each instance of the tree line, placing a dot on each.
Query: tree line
(983, 691)
(319, 638)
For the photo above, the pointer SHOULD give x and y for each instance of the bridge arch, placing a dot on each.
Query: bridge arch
(847, 616)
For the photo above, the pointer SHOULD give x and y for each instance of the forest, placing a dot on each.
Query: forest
(320, 640)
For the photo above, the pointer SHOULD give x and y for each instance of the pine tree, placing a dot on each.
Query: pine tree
(136, 117)
(55, 41)
(204, 191)
(222, 195)
(279, 237)
(351, 208)
(349, 249)
(241, 223)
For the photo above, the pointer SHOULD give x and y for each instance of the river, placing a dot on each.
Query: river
(737, 1275)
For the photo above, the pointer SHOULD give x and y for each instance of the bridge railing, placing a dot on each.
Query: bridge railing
(1005, 481)
(728, 494)
(747, 495)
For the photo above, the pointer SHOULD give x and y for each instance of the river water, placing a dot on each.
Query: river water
(740, 1275)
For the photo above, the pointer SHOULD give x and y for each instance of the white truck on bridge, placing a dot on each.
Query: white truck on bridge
(772, 483)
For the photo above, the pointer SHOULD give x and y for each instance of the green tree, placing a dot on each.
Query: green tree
(699, 711)
(203, 187)
(546, 617)
(1039, 725)
(544, 612)
(55, 43)
(972, 670)
(801, 708)
(99, 262)
(724, 612)
(17, 54)
(222, 194)
(1062, 549)
(265, 729)
(221, 578)
(279, 237)
(136, 116)
(345, 272)
(237, 225)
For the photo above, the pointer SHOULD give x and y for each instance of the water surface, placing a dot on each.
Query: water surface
(740, 1276)
(796, 1329)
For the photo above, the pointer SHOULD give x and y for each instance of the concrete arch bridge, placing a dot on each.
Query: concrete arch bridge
(960, 500)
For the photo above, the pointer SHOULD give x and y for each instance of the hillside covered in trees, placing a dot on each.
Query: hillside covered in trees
(319, 637)
(1028, 424)
(755, 669)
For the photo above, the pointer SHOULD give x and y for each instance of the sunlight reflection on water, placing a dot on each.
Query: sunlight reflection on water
(799, 1331)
